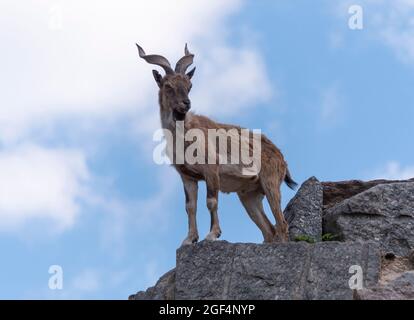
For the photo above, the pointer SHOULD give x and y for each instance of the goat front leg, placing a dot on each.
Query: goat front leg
(212, 182)
(191, 190)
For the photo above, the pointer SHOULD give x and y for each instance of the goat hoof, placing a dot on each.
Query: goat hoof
(212, 236)
(281, 233)
(281, 238)
(189, 240)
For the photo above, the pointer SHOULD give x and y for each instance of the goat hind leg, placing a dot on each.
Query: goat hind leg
(272, 191)
(252, 202)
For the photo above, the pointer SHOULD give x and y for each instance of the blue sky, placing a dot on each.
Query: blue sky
(78, 187)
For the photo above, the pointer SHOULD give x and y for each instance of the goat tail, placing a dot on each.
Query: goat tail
(289, 181)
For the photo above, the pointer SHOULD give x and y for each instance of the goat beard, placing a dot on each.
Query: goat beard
(178, 116)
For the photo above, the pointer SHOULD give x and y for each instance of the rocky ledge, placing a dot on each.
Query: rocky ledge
(349, 240)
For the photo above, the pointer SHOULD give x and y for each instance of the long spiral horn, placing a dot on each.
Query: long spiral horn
(184, 62)
(156, 59)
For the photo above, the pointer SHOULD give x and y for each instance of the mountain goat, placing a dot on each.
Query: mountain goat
(174, 102)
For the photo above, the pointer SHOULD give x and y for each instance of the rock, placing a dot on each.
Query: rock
(373, 220)
(401, 288)
(336, 192)
(163, 290)
(394, 268)
(304, 212)
(383, 213)
(389, 256)
(295, 270)
(411, 258)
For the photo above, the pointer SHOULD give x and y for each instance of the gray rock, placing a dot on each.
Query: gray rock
(296, 270)
(401, 288)
(163, 290)
(304, 212)
(411, 257)
(336, 192)
(371, 218)
(383, 213)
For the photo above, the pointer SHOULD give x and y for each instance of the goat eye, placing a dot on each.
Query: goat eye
(169, 89)
(189, 89)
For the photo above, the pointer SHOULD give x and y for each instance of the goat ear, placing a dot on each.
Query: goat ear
(191, 72)
(157, 77)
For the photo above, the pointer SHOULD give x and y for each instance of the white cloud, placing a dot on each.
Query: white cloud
(395, 26)
(152, 217)
(41, 183)
(225, 87)
(393, 170)
(75, 63)
(391, 22)
(90, 67)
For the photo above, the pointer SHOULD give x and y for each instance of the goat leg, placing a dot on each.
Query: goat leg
(212, 182)
(191, 190)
